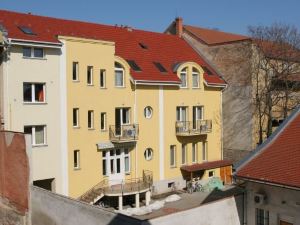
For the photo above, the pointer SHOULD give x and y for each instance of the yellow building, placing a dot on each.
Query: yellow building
(140, 111)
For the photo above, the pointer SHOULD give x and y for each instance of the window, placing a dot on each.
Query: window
(173, 156)
(204, 151)
(148, 154)
(103, 121)
(33, 52)
(134, 66)
(34, 92)
(183, 78)
(127, 161)
(102, 78)
(26, 30)
(38, 134)
(194, 152)
(104, 162)
(262, 217)
(195, 76)
(181, 113)
(211, 173)
(89, 78)
(148, 112)
(197, 115)
(90, 119)
(160, 67)
(119, 75)
(75, 117)
(76, 159)
(183, 154)
(75, 71)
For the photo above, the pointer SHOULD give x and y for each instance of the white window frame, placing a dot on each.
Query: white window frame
(194, 152)
(33, 135)
(90, 72)
(196, 116)
(266, 216)
(184, 153)
(91, 117)
(184, 72)
(76, 155)
(106, 159)
(194, 73)
(173, 151)
(129, 165)
(102, 76)
(179, 110)
(32, 53)
(104, 121)
(76, 71)
(148, 154)
(148, 111)
(77, 117)
(33, 101)
(123, 76)
(204, 151)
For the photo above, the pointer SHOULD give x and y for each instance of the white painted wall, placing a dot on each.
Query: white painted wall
(45, 159)
(281, 203)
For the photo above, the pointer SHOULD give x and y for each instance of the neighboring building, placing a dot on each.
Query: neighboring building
(271, 177)
(237, 58)
(30, 96)
(129, 102)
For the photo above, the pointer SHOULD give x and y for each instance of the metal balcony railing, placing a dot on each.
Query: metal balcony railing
(123, 133)
(190, 128)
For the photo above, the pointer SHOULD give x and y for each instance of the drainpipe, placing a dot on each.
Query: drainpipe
(222, 124)
(135, 121)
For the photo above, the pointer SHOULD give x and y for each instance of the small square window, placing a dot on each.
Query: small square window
(211, 173)
(38, 134)
(38, 53)
(26, 52)
(34, 92)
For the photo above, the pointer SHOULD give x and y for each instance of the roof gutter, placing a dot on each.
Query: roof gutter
(215, 85)
(14, 41)
(268, 183)
(163, 83)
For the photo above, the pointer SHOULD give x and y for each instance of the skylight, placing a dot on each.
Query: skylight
(26, 30)
(142, 45)
(134, 66)
(160, 67)
(206, 70)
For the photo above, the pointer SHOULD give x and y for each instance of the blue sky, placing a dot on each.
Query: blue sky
(227, 15)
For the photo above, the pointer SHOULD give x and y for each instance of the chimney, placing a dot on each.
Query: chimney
(179, 26)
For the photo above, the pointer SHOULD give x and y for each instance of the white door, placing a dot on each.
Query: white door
(116, 166)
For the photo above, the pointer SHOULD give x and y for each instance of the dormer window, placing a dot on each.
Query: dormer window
(183, 78)
(119, 75)
(195, 77)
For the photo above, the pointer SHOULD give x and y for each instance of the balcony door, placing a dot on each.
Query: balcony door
(197, 115)
(181, 117)
(122, 117)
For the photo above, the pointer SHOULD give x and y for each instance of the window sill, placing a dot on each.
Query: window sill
(90, 85)
(127, 173)
(39, 145)
(77, 168)
(39, 58)
(35, 103)
(195, 87)
(103, 88)
(103, 130)
(76, 127)
(91, 128)
(75, 81)
(120, 87)
(173, 167)
(184, 88)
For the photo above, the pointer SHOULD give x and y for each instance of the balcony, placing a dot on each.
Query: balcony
(191, 128)
(123, 133)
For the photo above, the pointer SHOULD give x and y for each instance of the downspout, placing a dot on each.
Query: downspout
(7, 120)
(222, 124)
(135, 121)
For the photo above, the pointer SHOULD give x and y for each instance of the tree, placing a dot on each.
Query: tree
(275, 73)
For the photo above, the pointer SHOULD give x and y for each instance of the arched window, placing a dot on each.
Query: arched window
(183, 77)
(148, 112)
(119, 75)
(196, 78)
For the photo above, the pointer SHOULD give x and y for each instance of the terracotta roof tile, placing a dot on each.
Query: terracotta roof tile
(279, 161)
(213, 37)
(163, 48)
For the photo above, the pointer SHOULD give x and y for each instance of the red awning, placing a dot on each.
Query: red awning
(206, 165)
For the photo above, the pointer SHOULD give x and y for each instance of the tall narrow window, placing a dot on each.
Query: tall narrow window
(38, 134)
(127, 160)
(34, 92)
(183, 78)
(75, 71)
(103, 121)
(90, 119)
(172, 156)
(197, 116)
(204, 151)
(75, 117)
(181, 113)
(119, 75)
(195, 77)
(102, 78)
(104, 162)
(194, 152)
(76, 159)
(262, 217)
(89, 78)
(183, 154)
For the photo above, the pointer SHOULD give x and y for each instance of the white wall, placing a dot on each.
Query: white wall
(281, 203)
(45, 159)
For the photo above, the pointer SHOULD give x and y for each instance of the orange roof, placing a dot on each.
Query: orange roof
(169, 50)
(214, 37)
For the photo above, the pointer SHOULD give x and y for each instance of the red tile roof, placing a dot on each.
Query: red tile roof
(278, 161)
(169, 50)
(214, 37)
(206, 165)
